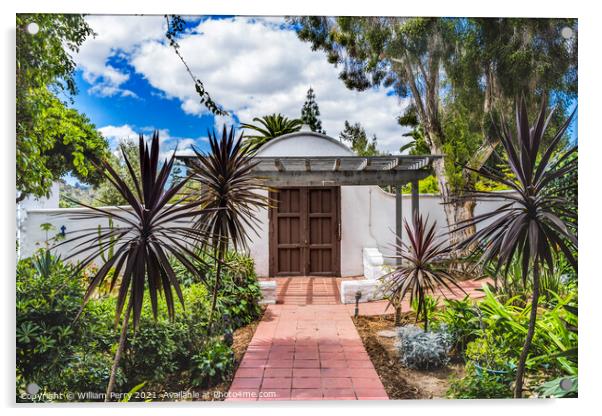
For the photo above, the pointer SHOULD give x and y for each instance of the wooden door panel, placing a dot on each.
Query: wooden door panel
(323, 225)
(286, 245)
(304, 232)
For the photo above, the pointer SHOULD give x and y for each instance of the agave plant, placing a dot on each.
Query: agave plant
(535, 222)
(269, 127)
(142, 240)
(423, 268)
(231, 193)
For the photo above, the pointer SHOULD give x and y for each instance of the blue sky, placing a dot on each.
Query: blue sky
(131, 81)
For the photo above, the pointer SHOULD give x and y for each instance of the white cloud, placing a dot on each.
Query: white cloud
(169, 143)
(115, 134)
(249, 65)
(116, 37)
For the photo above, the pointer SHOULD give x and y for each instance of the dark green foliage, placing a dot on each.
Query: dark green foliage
(479, 386)
(310, 113)
(54, 350)
(212, 365)
(62, 354)
(159, 351)
(461, 321)
(52, 139)
(355, 135)
(268, 128)
(239, 295)
(422, 269)
(487, 333)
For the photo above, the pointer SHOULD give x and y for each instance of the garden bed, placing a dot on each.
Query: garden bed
(241, 340)
(401, 382)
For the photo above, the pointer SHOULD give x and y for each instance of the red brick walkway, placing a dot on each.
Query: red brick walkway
(306, 347)
(308, 352)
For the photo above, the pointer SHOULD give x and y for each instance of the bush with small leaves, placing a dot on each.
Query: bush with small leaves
(478, 385)
(214, 364)
(422, 350)
(55, 351)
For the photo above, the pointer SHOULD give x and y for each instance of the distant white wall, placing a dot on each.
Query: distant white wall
(32, 203)
(367, 220)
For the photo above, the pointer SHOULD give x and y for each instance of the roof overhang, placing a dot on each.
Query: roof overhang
(339, 170)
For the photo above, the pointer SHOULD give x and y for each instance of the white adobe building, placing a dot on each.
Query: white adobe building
(331, 220)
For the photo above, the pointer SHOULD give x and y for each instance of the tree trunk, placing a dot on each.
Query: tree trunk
(455, 210)
(398, 314)
(218, 272)
(120, 347)
(520, 369)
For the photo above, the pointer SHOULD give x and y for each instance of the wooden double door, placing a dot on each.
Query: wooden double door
(305, 231)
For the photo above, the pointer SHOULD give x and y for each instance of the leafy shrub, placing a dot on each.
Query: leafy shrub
(159, 351)
(54, 351)
(423, 350)
(490, 354)
(239, 293)
(214, 364)
(493, 331)
(478, 385)
(61, 354)
(507, 323)
(460, 320)
(558, 387)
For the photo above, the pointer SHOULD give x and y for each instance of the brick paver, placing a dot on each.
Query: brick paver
(310, 352)
(306, 347)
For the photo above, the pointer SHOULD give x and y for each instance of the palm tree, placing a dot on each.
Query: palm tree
(269, 127)
(422, 269)
(146, 235)
(232, 195)
(537, 219)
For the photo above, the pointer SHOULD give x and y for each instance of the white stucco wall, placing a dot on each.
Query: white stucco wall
(367, 212)
(31, 203)
(367, 220)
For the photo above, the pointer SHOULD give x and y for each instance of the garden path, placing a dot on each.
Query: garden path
(306, 347)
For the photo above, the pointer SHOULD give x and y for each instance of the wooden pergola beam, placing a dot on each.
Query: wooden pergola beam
(337, 165)
(340, 178)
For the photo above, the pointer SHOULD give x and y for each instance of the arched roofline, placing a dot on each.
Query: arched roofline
(302, 133)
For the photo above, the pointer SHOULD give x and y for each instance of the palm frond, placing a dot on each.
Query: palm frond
(143, 236)
(422, 269)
